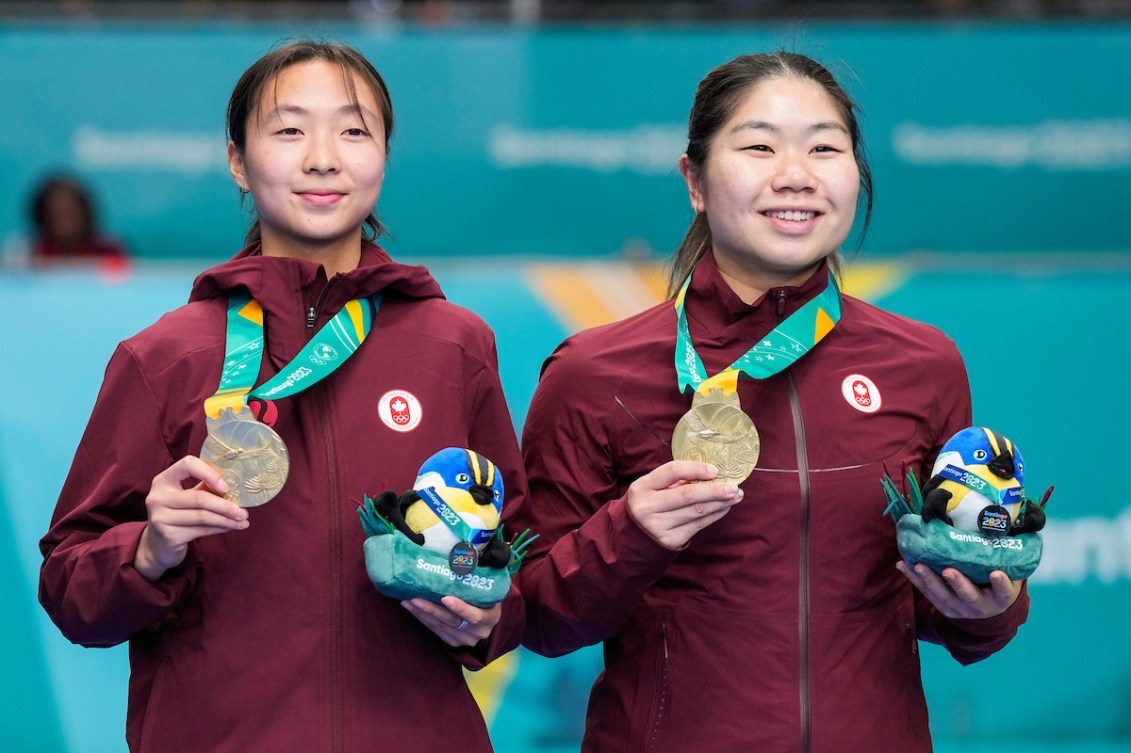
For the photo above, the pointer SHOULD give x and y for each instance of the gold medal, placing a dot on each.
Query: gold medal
(249, 455)
(717, 431)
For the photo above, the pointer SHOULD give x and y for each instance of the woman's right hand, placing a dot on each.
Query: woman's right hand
(672, 509)
(178, 515)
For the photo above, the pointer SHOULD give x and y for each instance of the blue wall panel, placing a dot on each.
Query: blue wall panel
(566, 141)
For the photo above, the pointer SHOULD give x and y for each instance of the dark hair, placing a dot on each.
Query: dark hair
(716, 99)
(56, 184)
(244, 103)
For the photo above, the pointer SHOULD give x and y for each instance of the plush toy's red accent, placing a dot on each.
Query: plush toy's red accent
(264, 410)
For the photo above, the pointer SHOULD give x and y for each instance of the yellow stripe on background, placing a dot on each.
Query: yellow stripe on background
(654, 277)
(489, 684)
(593, 293)
(873, 280)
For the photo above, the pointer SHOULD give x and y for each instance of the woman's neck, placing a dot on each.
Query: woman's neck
(335, 258)
(750, 285)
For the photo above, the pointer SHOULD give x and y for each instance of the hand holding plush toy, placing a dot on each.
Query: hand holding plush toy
(443, 536)
(972, 513)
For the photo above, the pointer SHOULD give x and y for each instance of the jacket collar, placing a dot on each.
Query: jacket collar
(279, 282)
(715, 307)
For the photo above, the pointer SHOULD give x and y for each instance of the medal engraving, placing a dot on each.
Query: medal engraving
(249, 455)
(717, 431)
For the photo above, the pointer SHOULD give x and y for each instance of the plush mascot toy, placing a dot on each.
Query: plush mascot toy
(972, 513)
(444, 535)
(468, 485)
(978, 484)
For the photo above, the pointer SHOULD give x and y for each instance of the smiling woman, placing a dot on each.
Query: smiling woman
(778, 187)
(764, 609)
(267, 634)
(314, 156)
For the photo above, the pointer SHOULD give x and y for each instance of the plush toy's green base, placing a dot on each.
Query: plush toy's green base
(939, 545)
(404, 570)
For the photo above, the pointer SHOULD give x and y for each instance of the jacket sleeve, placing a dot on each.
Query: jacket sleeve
(492, 435)
(592, 562)
(87, 582)
(967, 641)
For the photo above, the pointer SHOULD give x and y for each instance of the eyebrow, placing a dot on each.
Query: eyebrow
(763, 125)
(364, 112)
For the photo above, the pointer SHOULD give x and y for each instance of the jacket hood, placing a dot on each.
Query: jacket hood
(265, 276)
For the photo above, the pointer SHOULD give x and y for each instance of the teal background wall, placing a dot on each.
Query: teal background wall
(1007, 149)
(565, 141)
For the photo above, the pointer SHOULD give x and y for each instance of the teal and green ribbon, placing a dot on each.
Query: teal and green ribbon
(972, 481)
(326, 351)
(794, 337)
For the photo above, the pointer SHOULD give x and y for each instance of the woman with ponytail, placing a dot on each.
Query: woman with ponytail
(748, 592)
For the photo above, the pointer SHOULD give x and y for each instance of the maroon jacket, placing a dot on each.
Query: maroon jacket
(785, 626)
(272, 638)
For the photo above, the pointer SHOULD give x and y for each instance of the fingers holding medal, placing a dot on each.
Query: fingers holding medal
(667, 503)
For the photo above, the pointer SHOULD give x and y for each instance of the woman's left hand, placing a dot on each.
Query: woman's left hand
(957, 597)
(454, 620)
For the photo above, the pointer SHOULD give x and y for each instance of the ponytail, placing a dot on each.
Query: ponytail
(694, 246)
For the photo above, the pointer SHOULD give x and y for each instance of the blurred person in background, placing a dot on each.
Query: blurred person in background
(66, 228)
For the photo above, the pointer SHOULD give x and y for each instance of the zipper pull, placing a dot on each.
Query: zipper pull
(781, 303)
(311, 316)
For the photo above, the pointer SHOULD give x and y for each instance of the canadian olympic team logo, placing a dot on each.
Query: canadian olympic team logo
(400, 410)
(861, 393)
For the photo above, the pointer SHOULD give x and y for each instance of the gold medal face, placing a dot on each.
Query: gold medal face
(249, 455)
(717, 431)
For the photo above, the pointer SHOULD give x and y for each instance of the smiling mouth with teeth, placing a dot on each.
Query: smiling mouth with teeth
(792, 215)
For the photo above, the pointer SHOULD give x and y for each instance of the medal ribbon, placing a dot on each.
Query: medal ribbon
(451, 519)
(244, 352)
(974, 482)
(775, 352)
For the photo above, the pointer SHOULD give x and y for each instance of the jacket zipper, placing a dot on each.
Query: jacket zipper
(661, 704)
(337, 638)
(312, 311)
(803, 608)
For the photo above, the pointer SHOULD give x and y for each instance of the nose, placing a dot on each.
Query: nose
(322, 156)
(793, 173)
